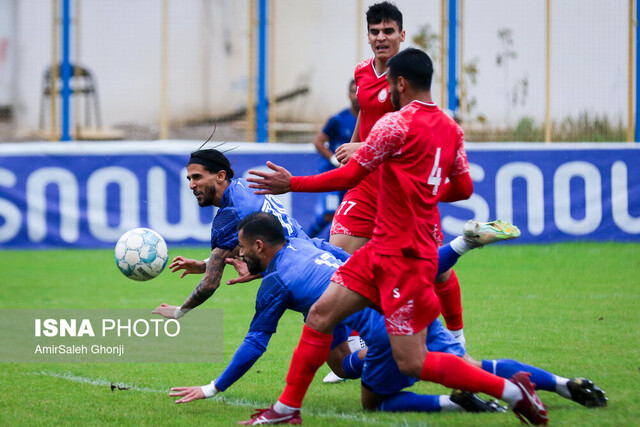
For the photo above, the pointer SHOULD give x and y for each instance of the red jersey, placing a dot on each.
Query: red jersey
(416, 149)
(373, 96)
(375, 101)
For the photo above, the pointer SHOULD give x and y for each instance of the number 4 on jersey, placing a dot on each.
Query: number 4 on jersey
(435, 177)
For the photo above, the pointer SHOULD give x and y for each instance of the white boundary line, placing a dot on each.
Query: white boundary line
(243, 403)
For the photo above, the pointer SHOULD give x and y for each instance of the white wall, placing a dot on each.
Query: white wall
(316, 43)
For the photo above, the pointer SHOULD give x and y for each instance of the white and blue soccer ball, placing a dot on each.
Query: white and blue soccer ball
(141, 254)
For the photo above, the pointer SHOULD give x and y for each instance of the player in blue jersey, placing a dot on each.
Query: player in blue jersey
(336, 131)
(295, 274)
(211, 179)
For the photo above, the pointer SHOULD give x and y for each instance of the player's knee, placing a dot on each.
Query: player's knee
(409, 365)
(443, 277)
(319, 318)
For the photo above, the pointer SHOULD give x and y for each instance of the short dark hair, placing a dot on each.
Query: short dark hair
(384, 11)
(414, 65)
(264, 226)
(212, 160)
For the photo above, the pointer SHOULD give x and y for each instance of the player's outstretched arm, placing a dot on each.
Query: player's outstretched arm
(190, 266)
(278, 182)
(207, 286)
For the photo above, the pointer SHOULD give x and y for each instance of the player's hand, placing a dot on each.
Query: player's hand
(345, 151)
(278, 182)
(188, 393)
(165, 310)
(190, 266)
(243, 271)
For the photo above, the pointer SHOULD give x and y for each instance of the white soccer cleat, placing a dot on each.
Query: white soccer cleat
(332, 378)
(356, 343)
(477, 234)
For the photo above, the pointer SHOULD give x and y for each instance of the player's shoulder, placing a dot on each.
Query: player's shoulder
(363, 65)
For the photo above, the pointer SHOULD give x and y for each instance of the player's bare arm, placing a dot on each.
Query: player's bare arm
(278, 182)
(211, 280)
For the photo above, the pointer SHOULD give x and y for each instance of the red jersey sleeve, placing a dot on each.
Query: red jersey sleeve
(338, 179)
(460, 163)
(385, 139)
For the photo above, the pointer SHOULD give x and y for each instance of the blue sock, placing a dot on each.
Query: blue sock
(353, 365)
(505, 368)
(447, 258)
(408, 401)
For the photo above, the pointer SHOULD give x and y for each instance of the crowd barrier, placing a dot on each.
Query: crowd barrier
(86, 194)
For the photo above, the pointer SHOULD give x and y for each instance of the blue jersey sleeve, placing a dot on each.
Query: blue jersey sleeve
(332, 128)
(253, 346)
(224, 229)
(273, 299)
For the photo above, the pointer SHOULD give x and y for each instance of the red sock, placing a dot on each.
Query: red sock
(453, 372)
(450, 302)
(312, 351)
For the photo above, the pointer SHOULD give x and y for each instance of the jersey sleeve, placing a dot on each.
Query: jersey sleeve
(460, 163)
(224, 230)
(331, 129)
(253, 346)
(272, 301)
(385, 139)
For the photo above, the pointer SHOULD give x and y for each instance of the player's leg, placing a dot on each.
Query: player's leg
(335, 304)
(448, 292)
(344, 361)
(453, 372)
(580, 390)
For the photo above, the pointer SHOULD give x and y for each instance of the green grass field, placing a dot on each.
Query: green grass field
(573, 309)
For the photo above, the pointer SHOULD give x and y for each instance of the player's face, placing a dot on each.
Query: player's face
(393, 91)
(203, 184)
(385, 38)
(249, 254)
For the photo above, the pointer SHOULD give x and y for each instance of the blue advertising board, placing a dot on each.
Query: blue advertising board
(88, 194)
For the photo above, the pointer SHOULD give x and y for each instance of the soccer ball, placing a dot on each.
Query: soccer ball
(141, 254)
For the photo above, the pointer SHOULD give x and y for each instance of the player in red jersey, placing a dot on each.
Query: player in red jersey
(415, 149)
(353, 221)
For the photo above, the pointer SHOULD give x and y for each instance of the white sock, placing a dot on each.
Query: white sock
(511, 393)
(459, 336)
(561, 387)
(459, 245)
(446, 405)
(281, 408)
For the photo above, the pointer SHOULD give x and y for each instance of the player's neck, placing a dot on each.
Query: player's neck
(380, 65)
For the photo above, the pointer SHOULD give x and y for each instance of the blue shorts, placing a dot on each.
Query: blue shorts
(381, 374)
(340, 334)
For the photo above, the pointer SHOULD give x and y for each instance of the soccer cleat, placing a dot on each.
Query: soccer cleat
(471, 402)
(477, 234)
(332, 378)
(586, 393)
(529, 409)
(270, 416)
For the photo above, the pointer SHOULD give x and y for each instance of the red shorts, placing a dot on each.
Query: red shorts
(401, 287)
(355, 216)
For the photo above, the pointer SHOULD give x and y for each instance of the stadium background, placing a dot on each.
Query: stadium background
(563, 304)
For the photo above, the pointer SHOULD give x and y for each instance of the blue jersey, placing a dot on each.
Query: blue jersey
(239, 201)
(339, 128)
(294, 279)
(381, 373)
